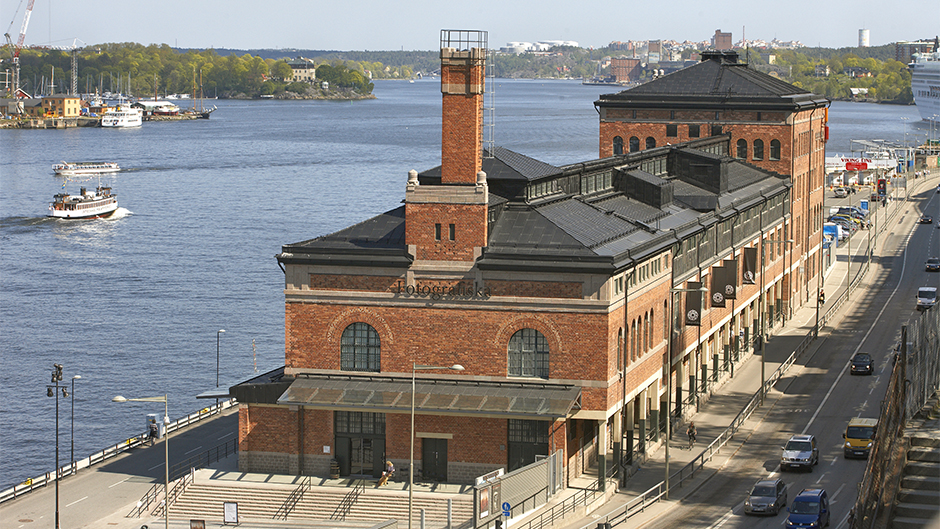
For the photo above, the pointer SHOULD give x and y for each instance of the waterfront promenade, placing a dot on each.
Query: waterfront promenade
(102, 495)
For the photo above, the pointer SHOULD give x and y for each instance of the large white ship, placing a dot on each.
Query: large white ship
(123, 115)
(925, 84)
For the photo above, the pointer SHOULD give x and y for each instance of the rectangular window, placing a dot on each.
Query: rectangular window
(758, 116)
(672, 131)
(437, 232)
(672, 114)
(717, 115)
(452, 231)
(716, 130)
(694, 131)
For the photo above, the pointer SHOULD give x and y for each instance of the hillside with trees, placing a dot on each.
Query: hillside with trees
(144, 70)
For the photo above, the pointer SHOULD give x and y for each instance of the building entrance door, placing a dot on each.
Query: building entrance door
(360, 456)
(434, 459)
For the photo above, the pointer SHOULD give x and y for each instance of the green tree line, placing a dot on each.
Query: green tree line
(159, 69)
(230, 73)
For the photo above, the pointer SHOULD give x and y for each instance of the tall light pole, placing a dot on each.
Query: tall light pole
(53, 390)
(411, 460)
(218, 341)
(72, 435)
(166, 448)
(672, 318)
(763, 317)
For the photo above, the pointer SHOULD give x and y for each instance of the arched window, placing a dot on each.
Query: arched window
(528, 354)
(634, 144)
(620, 348)
(360, 349)
(650, 142)
(633, 342)
(758, 149)
(652, 325)
(774, 149)
(645, 337)
(618, 145)
(742, 150)
(665, 320)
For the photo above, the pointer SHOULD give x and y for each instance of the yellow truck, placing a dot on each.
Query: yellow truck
(859, 436)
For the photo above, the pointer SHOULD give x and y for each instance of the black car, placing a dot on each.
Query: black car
(926, 219)
(933, 264)
(862, 364)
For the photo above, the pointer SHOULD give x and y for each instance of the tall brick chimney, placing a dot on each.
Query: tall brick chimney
(447, 222)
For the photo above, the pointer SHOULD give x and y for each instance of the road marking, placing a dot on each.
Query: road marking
(76, 501)
(193, 450)
(833, 499)
(820, 478)
(833, 461)
(721, 521)
(158, 466)
(864, 338)
(226, 435)
(119, 482)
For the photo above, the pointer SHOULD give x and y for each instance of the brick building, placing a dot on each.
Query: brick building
(721, 40)
(556, 289)
(625, 69)
(772, 124)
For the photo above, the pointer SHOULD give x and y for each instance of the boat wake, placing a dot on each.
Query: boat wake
(119, 213)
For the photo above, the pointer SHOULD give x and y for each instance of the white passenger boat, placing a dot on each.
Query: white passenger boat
(86, 205)
(122, 116)
(925, 84)
(85, 168)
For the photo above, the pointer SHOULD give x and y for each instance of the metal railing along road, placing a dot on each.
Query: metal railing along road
(110, 452)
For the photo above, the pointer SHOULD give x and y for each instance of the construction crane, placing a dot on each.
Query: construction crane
(15, 50)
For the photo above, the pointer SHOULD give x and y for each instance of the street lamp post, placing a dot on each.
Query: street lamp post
(53, 390)
(218, 341)
(672, 318)
(411, 460)
(763, 317)
(72, 435)
(166, 448)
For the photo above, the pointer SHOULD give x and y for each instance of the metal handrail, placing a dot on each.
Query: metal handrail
(350, 499)
(110, 452)
(145, 502)
(292, 500)
(205, 459)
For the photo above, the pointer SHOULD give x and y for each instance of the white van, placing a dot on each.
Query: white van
(926, 297)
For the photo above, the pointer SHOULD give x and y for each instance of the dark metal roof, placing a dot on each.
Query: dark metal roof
(386, 394)
(715, 83)
(503, 164)
(379, 240)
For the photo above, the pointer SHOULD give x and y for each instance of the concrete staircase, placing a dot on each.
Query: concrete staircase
(260, 502)
(918, 502)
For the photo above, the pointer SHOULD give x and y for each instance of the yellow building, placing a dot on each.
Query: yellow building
(62, 106)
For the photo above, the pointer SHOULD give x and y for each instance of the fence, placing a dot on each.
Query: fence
(109, 452)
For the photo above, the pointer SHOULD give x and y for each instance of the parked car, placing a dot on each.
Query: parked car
(859, 435)
(810, 508)
(840, 192)
(933, 264)
(800, 452)
(767, 496)
(862, 364)
(926, 219)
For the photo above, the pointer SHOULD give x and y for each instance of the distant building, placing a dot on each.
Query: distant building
(540, 46)
(625, 69)
(863, 38)
(822, 70)
(304, 70)
(721, 41)
(856, 71)
(62, 106)
(904, 50)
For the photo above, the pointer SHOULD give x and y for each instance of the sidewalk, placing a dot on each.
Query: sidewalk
(727, 401)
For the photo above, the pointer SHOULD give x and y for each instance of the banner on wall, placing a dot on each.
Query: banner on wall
(693, 305)
(750, 266)
(718, 289)
(731, 278)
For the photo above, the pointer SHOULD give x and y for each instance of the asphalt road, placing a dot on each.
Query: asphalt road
(820, 396)
(114, 487)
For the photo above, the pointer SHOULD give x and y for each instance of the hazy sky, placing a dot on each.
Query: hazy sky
(416, 24)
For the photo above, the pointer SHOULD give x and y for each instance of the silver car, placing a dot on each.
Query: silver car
(800, 452)
(767, 496)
